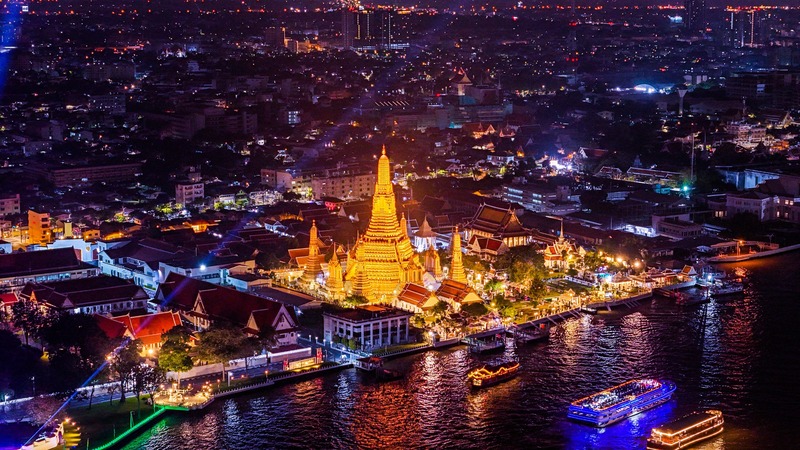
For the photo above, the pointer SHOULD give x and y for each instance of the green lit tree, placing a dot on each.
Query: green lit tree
(174, 353)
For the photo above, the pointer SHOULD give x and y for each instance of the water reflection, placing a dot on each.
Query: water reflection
(742, 358)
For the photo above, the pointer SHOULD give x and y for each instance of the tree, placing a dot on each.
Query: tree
(77, 347)
(17, 364)
(27, 317)
(93, 383)
(592, 260)
(145, 379)
(355, 300)
(440, 308)
(110, 390)
(474, 309)
(493, 285)
(5, 319)
(174, 353)
(222, 343)
(266, 338)
(153, 379)
(125, 363)
(537, 288)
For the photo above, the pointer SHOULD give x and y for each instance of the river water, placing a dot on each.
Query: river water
(743, 358)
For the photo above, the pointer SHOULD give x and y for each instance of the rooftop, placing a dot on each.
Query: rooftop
(368, 313)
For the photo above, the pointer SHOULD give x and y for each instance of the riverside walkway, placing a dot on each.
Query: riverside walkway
(204, 395)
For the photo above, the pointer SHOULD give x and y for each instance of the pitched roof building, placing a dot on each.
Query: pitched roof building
(202, 304)
(494, 222)
(17, 269)
(486, 248)
(87, 295)
(149, 328)
(457, 294)
(416, 298)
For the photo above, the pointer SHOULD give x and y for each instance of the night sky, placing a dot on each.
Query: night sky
(711, 3)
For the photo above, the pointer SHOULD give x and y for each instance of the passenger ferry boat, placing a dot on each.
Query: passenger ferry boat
(483, 346)
(686, 431)
(620, 402)
(727, 288)
(490, 375)
(689, 300)
(531, 334)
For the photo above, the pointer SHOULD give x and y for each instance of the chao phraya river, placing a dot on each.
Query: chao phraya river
(743, 358)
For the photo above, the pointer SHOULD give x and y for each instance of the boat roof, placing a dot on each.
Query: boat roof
(612, 391)
(687, 421)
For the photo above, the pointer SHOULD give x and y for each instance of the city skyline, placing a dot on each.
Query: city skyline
(230, 224)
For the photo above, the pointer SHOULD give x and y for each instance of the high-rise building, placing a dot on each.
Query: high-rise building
(275, 36)
(383, 259)
(748, 27)
(695, 15)
(348, 28)
(367, 28)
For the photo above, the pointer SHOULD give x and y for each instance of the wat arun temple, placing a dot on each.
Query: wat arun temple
(383, 259)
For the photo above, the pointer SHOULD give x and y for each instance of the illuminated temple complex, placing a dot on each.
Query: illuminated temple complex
(383, 259)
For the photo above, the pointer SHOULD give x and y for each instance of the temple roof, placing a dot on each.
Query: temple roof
(415, 294)
(498, 221)
(455, 291)
(150, 327)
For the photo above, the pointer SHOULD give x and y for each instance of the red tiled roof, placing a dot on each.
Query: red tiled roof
(150, 327)
(486, 244)
(454, 290)
(8, 299)
(112, 328)
(414, 294)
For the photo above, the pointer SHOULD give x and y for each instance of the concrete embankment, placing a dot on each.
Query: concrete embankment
(749, 256)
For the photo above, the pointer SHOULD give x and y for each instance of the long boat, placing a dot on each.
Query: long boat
(686, 431)
(620, 402)
(661, 292)
(490, 375)
(726, 288)
(532, 334)
(690, 300)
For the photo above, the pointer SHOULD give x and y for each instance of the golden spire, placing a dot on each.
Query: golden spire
(384, 257)
(334, 282)
(313, 239)
(313, 263)
(456, 264)
(384, 184)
